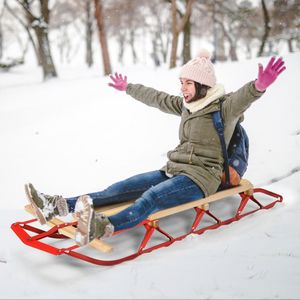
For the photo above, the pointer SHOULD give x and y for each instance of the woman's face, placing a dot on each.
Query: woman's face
(188, 89)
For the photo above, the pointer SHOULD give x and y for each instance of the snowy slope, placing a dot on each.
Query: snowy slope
(67, 136)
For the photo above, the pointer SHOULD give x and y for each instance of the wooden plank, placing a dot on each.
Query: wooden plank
(244, 186)
(69, 231)
(112, 209)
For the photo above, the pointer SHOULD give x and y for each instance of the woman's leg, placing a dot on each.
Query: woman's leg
(125, 190)
(172, 192)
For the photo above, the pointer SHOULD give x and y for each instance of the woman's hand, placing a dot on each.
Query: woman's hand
(268, 75)
(119, 83)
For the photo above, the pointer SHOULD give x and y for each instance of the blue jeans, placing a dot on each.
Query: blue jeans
(153, 191)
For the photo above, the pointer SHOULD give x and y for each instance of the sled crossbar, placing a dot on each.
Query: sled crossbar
(63, 230)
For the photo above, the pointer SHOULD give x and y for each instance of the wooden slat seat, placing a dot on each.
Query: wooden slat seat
(245, 186)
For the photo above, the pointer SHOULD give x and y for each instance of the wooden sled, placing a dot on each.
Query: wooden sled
(66, 230)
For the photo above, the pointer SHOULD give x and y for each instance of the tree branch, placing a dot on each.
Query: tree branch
(186, 16)
(26, 7)
(10, 10)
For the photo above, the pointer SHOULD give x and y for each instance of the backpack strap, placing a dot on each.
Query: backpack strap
(218, 123)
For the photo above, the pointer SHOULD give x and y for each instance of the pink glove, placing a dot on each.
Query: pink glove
(120, 83)
(268, 75)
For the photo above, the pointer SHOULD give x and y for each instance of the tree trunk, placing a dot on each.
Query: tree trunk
(164, 47)
(165, 50)
(89, 34)
(102, 36)
(154, 53)
(186, 51)
(221, 42)
(1, 40)
(267, 28)
(219, 33)
(177, 28)
(248, 49)
(214, 29)
(231, 40)
(175, 35)
(174, 50)
(49, 70)
(1, 32)
(161, 35)
(221, 46)
(132, 39)
(232, 52)
(41, 27)
(121, 41)
(290, 45)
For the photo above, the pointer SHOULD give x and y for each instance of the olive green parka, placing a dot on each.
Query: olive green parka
(199, 153)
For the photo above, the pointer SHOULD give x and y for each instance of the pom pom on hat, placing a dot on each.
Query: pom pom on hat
(200, 69)
(204, 53)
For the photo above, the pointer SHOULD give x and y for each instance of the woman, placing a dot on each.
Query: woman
(194, 168)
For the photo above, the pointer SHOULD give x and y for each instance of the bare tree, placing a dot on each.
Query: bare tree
(177, 27)
(159, 26)
(126, 21)
(231, 24)
(219, 31)
(186, 30)
(102, 36)
(26, 26)
(132, 45)
(267, 28)
(89, 33)
(117, 24)
(227, 17)
(186, 49)
(40, 25)
(121, 40)
(68, 15)
(160, 30)
(1, 32)
(286, 22)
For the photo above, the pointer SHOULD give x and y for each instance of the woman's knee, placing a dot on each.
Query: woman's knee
(148, 199)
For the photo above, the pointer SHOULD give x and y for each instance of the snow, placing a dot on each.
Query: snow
(75, 135)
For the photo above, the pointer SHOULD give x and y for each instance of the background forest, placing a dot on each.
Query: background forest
(152, 33)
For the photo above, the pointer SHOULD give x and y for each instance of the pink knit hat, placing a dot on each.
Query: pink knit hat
(200, 69)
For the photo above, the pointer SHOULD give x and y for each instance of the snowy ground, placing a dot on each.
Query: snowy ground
(76, 135)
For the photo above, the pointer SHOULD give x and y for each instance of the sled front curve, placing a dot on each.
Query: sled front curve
(66, 230)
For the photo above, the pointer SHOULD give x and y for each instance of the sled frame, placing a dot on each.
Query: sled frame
(66, 230)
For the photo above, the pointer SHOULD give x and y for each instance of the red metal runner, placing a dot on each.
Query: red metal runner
(21, 229)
